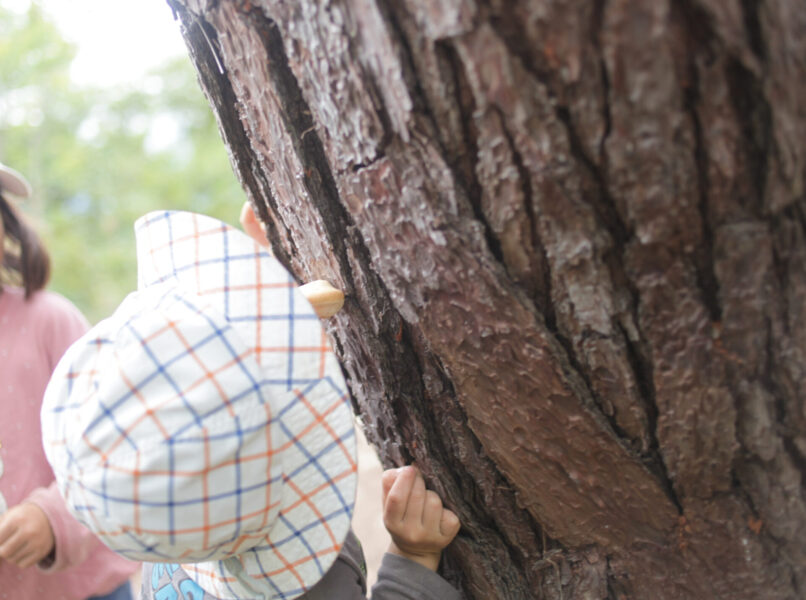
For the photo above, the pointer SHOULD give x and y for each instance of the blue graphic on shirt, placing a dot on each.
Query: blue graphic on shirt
(167, 584)
(166, 593)
(157, 571)
(191, 590)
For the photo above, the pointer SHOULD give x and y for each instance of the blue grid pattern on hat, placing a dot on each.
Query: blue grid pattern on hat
(179, 399)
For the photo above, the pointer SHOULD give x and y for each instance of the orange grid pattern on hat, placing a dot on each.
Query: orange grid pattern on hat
(207, 421)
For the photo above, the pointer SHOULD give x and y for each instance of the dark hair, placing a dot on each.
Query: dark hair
(25, 260)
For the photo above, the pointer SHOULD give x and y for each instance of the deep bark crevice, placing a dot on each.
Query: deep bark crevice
(464, 178)
(463, 167)
(752, 25)
(789, 448)
(482, 527)
(604, 206)
(738, 488)
(382, 112)
(782, 400)
(703, 257)
(510, 32)
(339, 350)
(791, 215)
(621, 234)
(377, 158)
(543, 290)
(596, 36)
(754, 116)
(612, 592)
(201, 38)
(317, 176)
(653, 460)
(465, 163)
(407, 60)
(602, 203)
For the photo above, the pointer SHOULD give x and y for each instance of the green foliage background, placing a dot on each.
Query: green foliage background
(90, 155)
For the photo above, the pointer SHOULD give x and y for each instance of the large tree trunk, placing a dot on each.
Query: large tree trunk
(573, 238)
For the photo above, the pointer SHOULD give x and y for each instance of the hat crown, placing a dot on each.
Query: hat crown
(211, 260)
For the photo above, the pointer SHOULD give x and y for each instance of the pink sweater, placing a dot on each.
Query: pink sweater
(33, 337)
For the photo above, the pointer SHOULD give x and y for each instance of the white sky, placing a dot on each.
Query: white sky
(117, 40)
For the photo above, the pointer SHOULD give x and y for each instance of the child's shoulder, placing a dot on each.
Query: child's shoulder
(45, 315)
(41, 300)
(52, 305)
(52, 300)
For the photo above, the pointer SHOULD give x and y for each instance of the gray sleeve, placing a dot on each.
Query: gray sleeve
(398, 579)
(346, 579)
(403, 579)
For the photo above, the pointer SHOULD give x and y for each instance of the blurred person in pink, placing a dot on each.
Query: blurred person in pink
(45, 554)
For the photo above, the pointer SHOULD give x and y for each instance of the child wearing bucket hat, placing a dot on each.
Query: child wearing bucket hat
(44, 551)
(205, 428)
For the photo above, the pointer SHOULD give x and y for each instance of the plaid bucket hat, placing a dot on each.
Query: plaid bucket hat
(207, 422)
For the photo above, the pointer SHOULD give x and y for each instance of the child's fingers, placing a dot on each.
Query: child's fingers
(12, 547)
(387, 479)
(449, 524)
(432, 512)
(29, 559)
(416, 505)
(7, 527)
(22, 557)
(398, 498)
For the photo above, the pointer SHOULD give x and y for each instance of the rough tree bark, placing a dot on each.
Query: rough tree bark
(573, 238)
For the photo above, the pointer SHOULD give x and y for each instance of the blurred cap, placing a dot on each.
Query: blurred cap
(13, 182)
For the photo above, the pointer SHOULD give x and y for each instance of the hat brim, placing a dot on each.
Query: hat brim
(13, 182)
(255, 292)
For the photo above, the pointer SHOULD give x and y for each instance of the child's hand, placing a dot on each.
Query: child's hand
(25, 535)
(415, 518)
